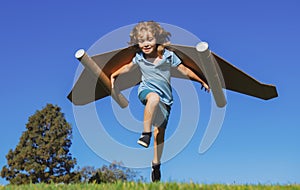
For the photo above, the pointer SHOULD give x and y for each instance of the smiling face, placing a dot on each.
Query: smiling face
(147, 42)
(150, 38)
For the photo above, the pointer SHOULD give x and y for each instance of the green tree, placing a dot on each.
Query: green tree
(42, 154)
(113, 173)
(86, 173)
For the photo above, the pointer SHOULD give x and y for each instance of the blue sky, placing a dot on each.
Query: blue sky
(259, 140)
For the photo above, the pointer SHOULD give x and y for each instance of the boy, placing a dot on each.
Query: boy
(154, 91)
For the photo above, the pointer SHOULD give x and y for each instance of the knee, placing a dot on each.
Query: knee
(153, 98)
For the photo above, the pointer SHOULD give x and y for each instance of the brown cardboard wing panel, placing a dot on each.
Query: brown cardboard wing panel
(84, 91)
(233, 78)
(238, 81)
(87, 89)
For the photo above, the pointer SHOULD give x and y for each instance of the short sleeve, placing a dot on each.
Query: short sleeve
(134, 59)
(175, 61)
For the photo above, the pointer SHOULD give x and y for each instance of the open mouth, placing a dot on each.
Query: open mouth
(147, 48)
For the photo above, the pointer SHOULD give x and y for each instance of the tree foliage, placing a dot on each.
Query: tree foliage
(113, 173)
(42, 154)
(86, 173)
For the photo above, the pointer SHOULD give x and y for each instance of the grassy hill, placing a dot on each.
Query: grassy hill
(144, 186)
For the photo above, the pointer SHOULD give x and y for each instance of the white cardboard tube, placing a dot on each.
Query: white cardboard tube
(211, 74)
(103, 80)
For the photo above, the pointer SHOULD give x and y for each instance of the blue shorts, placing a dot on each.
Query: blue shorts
(162, 113)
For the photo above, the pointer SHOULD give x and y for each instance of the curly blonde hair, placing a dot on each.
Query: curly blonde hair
(161, 35)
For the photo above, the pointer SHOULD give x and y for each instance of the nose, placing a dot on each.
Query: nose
(146, 43)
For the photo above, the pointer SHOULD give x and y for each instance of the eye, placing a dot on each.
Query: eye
(140, 40)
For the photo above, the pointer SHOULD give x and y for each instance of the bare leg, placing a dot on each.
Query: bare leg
(150, 109)
(159, 136)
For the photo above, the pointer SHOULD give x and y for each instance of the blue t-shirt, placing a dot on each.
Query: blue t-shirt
(156, 77)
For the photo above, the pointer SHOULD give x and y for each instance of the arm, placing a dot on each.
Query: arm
(189, 73)
(124, 69)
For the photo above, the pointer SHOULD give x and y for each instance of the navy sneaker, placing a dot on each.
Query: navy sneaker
(144, 140)
(155, 175)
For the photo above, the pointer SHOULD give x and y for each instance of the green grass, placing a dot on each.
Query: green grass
(144, 186)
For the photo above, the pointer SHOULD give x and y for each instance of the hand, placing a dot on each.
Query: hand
(204, 85)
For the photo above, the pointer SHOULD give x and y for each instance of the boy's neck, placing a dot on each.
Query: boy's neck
(153, 57)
